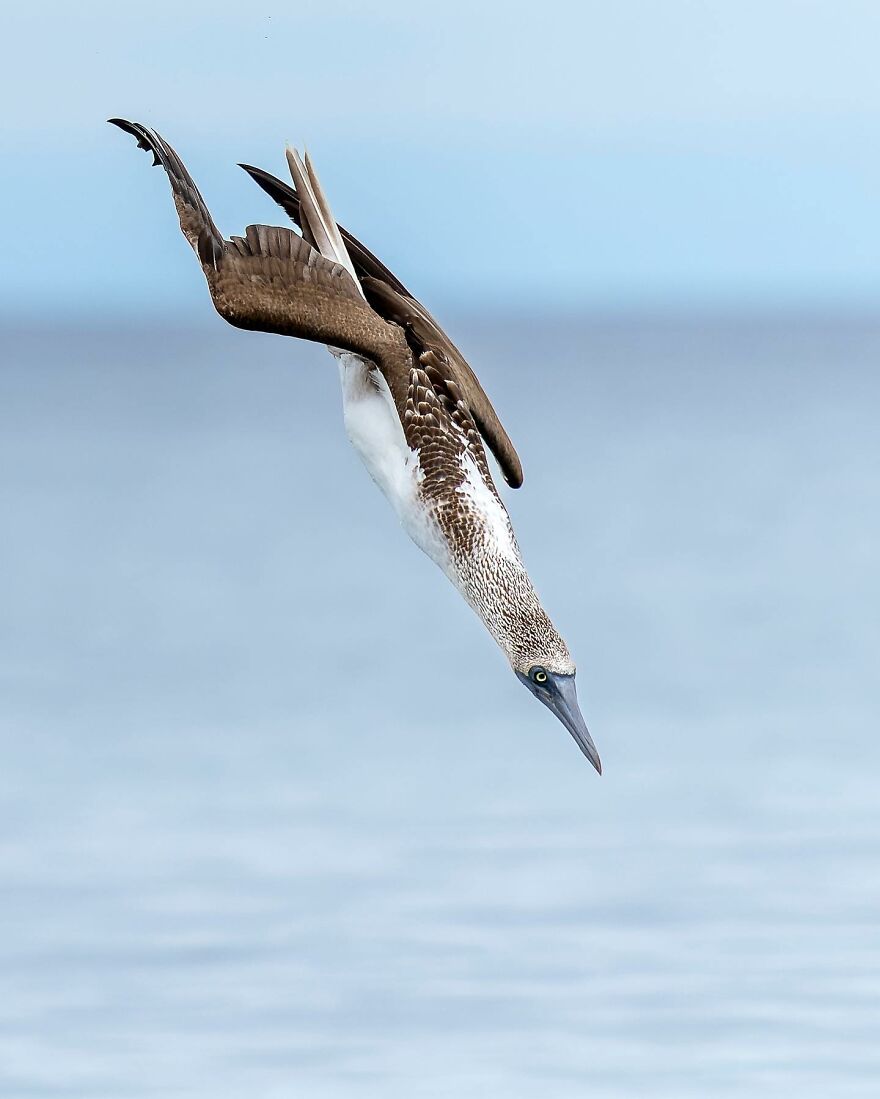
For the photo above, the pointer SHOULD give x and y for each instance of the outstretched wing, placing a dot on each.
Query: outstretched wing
(391, 300)
(365, 263)
(427, 337)
(274, 281)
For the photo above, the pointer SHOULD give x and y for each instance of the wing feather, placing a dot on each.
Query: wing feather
(273, 280)
(391, 299)
(365, 262)
(425, 335)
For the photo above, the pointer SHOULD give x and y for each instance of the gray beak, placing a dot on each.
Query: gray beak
(559, 694)
(564, 704)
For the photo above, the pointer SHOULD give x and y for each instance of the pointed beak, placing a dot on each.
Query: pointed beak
(564, 703)
(558, 693)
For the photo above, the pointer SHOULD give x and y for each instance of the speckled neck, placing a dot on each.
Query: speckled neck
(500, 590)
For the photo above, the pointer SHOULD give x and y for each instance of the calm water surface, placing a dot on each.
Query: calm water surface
(277, 821)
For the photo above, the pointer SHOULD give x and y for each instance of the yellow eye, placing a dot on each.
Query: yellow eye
(539, 675)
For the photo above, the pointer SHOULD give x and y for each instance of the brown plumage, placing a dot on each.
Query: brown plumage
(275, 281)
(391, 299)
(414, 409)
(272, 280)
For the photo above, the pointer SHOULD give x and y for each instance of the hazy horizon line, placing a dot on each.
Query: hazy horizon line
(513, 314)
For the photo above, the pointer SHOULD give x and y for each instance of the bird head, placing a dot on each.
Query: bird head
(553, 683)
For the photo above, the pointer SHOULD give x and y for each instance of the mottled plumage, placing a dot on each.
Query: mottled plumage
(414, 409)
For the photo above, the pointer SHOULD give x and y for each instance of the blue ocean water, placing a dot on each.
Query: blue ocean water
(275, 818)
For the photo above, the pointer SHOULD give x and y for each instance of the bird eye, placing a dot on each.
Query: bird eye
(539, 675)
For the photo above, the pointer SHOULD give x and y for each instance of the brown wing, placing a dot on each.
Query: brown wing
(425, 335)
(391, 299)
(365, 263)
(438, 424)
(274, 281)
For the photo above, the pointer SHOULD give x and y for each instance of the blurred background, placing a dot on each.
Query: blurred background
(240, 855)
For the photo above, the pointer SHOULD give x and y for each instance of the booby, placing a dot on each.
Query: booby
(413, 408)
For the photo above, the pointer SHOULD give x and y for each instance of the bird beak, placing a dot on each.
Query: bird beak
(560, 696)
(564, 703)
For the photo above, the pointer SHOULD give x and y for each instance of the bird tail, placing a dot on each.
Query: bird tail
(318, 223)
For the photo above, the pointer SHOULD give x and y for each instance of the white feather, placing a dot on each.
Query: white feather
(317, 213)
(374, 430)
(497, 527)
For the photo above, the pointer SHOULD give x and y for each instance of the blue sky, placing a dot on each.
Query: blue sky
(590, 155)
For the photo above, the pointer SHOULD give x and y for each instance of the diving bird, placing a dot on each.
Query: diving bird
(413, 408)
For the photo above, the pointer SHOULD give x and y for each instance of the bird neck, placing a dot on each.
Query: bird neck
(469, 534)
(497, 586)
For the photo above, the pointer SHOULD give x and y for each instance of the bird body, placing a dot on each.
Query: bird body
(459, 522)
(374, 430)
(413, 408)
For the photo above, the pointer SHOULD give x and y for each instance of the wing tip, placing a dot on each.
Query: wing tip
(514, 476)
(145, 139)
(136, 129)
(253, 172)
(270, 184)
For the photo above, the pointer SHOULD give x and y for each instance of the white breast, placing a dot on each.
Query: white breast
(374, 429)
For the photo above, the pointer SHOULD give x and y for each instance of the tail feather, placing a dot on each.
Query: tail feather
(326, 212)
(364, 261)
(316, 216)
